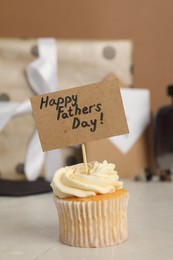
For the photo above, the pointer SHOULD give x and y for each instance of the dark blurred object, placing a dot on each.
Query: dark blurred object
(146, 175)
(24, 188)
(75, 156)
(71, 160)
(163, 131)
(165, 175)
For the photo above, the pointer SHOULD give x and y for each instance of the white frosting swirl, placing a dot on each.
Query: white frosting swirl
(73, 181)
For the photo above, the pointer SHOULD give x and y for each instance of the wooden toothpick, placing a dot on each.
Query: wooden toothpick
(84, 158)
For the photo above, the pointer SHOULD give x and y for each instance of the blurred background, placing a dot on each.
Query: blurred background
(147, 23)
(138, 32)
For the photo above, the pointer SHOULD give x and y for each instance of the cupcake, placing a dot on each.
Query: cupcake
(92, 206)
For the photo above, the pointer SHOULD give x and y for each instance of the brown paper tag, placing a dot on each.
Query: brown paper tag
(79, 115)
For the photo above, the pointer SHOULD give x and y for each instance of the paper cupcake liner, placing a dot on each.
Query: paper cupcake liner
(98, 223)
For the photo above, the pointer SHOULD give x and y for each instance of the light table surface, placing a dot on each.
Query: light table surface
(29, 228)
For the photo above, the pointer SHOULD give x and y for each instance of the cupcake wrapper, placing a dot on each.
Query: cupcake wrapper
(98, 223)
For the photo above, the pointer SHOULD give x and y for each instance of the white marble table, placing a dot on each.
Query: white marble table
(29, 229)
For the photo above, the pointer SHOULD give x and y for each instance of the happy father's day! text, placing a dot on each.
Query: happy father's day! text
(67, 107)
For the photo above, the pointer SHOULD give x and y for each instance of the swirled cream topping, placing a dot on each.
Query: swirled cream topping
(73, 181)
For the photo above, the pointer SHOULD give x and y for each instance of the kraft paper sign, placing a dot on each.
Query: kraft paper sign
(79, 115)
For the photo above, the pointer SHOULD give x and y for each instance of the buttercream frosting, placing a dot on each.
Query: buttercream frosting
(101, 178)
